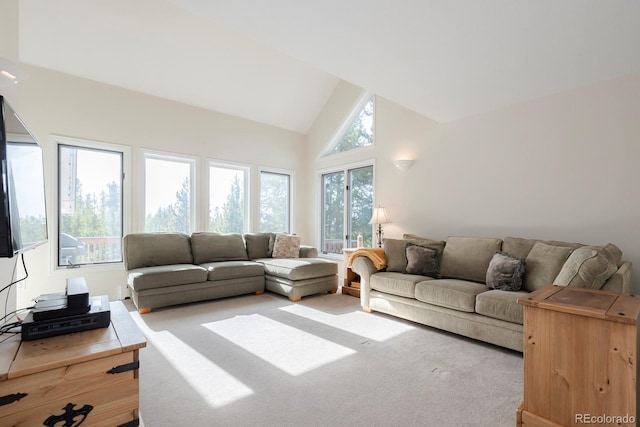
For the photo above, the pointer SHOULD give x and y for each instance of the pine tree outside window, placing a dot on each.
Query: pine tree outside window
(91, 190)
(275, 202)
(228, 198)
(169, 197)
(360, 132)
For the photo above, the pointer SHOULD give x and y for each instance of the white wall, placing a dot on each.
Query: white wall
(54, 103)
(561, 167)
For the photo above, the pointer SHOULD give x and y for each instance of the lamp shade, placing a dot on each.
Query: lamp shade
(379, 216)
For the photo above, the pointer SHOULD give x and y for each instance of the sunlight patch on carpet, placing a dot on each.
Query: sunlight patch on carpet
(285, 347)
(357, 322)
(216, 387)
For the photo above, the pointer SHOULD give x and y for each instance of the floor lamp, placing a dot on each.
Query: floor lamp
(378, 218)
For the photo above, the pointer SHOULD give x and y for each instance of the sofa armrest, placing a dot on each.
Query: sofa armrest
(308, 252)
(364, 268)
(621, 280)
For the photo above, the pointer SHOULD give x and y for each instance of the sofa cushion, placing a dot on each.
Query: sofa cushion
(501, 305)
(544, 262)
(151, 249)
(451, 293)
(394, 253)
(468, 258)
(258, 245)
(403, 285)
(165, 275)
(223, 270)
(212, 247)
(298, 268)
(520, 247)
(426, 242)
(505, 272)
(587, 267)
(286, 246)
(421, 260)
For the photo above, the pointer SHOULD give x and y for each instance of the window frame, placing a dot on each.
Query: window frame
(193, 181)
(343, 168)
(292, 178)
(54, 240)
(247, 219)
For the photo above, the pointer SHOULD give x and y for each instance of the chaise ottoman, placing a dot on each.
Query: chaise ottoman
(299, 277)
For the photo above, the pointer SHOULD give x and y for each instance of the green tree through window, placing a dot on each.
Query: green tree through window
(360, 132)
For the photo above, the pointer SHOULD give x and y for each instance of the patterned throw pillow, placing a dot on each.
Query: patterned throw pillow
(505, 272)
(286, 246)
(421, 260)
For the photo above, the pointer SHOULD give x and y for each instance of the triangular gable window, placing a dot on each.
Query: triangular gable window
(360, 131)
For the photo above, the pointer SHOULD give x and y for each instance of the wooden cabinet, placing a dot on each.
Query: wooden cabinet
(580, 358)
(351, 283)
(88, 378)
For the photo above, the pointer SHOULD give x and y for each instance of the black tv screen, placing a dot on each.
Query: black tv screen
(23, 214)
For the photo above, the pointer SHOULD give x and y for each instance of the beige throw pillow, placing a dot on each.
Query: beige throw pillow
(286, 246)
(587, 267)
(544, 262)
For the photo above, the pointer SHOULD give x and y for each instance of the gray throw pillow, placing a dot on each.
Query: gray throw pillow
(505, 272)
(421, 260)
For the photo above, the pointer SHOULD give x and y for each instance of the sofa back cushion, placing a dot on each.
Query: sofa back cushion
(395, 255)
(468, 258)
(153, 249)
(259, 245)
(212, 247)
(543, 264)
(520, 247)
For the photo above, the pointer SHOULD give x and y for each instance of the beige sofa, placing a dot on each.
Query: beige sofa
(456, 297)
(165, 269)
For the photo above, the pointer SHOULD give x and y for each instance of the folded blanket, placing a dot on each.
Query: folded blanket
(376, 255)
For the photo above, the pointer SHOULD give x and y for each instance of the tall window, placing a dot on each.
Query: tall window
(168, 193)
(275, 202)
(228, 198)
(90, 203)
(360, 131)
(347, 204)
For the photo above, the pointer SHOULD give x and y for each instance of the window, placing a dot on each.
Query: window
(168, 193)
(91, 186)
(275, 202)
(360, 131)
(347, 203)
(228, 198)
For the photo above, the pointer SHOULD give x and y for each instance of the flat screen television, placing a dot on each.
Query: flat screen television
(23, 213)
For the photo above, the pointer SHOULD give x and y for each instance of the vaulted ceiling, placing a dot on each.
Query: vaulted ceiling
(278, 61)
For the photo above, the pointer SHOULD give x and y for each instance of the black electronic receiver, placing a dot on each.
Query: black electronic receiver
(98, 316)
(74, 301)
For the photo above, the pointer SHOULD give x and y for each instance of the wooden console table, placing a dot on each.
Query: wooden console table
(88, 378)
(580, 358)
(351, 283)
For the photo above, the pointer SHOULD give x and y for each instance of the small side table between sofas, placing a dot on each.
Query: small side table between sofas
(351, 283)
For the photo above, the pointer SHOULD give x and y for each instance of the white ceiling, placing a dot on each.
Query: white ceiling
(278, 61)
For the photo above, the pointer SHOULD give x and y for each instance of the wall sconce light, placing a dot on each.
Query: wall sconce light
(403, 164)
(378, 218)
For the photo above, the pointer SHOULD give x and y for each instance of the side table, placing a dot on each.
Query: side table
(88, 377)
(351, 283)
(580, 358)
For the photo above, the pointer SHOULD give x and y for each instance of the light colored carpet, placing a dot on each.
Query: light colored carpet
(264, 361)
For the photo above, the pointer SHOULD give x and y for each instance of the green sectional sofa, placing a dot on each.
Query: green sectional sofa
(165, 269)
(470, 286)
